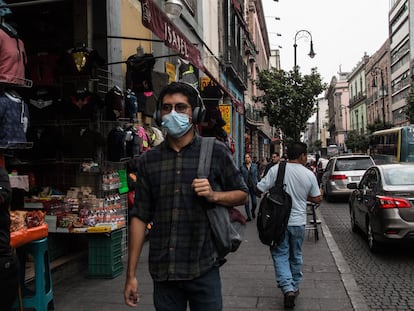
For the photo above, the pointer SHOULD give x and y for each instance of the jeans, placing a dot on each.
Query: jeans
(202, 293)
(252, 195)
(287, 259)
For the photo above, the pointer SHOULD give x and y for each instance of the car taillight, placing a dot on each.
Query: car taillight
(389, 202)
(337, 177)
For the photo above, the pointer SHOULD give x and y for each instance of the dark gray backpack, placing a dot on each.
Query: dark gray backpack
(274, 211)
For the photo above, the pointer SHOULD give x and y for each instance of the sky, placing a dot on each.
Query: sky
(342, 32)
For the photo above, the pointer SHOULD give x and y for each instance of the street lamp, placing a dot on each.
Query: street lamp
(173, 8)
(374, 73)
(303, 34)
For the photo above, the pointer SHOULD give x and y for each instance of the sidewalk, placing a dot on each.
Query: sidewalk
(247, 279)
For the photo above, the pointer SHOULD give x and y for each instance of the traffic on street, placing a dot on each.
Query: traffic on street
(385, 279)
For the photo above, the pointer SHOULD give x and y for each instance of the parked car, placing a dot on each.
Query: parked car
(382, 204)
(340, 171)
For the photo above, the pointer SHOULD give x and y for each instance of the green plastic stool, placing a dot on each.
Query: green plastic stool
(42, 297)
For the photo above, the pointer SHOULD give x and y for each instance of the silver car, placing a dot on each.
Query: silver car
(342, 170)
(381, 206)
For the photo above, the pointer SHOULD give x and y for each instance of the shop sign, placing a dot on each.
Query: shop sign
(226, 115)
(170, 70)
(158, 22)
(205, 82)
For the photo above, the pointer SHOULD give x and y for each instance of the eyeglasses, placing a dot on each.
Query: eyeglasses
(180, 107)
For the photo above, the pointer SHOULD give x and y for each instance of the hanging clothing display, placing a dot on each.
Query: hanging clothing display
(80, 61)
(12, 56)
(131, 106)
(14, 119)
(47, 143)
(43, 103)
(82, 143)
(114, 104)
(82, 105)
(41, 68)
(188, 73)
(139, 72)
(116, 144)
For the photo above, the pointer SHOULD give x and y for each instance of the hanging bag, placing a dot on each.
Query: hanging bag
(227, 232)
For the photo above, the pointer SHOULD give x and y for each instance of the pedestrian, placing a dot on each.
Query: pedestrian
(182, 260)
(302, 186)
(9, 267)
(274, 160)
(251, 175)
(262, 166)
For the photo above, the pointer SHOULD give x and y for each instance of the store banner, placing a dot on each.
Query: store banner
(226, 115)
(171, 71)
(158, 22)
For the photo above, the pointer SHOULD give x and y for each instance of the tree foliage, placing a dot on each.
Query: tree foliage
(357, 142)
(289, 99)
(378, 125)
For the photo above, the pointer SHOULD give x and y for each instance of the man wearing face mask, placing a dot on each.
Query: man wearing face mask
(182, 259)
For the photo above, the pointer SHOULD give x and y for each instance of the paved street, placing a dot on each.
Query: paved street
(247, 278)
(340, 273)
(386, 280)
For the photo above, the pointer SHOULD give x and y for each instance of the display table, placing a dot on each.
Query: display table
(21, 237)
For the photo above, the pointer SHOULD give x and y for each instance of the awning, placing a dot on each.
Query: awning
(158, 22)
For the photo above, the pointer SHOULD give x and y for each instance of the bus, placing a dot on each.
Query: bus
(393, 145)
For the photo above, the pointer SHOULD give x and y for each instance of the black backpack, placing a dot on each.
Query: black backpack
(274, 211)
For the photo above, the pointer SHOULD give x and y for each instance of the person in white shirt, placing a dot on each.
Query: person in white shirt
(302, 186)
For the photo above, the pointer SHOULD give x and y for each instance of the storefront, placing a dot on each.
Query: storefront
(87, 96)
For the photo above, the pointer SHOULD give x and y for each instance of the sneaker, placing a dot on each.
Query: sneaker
(297, 292)
(289, 300)
(248, 219)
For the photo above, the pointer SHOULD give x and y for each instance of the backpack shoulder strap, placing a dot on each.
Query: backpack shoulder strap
(206, 152)
(280, 174)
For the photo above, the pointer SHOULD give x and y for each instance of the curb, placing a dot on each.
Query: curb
(357, 300)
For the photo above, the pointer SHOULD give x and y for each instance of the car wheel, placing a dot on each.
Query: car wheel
(373, 244)
(353, 224)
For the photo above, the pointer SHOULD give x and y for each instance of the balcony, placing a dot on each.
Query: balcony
(254, 116)
(236, 65)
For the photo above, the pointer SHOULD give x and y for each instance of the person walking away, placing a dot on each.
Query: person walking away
(182, 259)
(273, 161)
(9, 267)
(251, 175)
(302, 186)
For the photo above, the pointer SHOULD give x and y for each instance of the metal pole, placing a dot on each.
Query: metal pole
(294, 55)
(311, 54)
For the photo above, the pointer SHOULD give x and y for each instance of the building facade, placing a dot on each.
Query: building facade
(337, 96)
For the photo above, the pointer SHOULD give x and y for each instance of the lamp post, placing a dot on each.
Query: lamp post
(374, 84)
(303, 34)
(173, 8)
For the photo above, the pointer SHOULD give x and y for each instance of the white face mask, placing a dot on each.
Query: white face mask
(177, 124)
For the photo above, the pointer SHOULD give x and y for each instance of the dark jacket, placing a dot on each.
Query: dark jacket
(252, 176)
